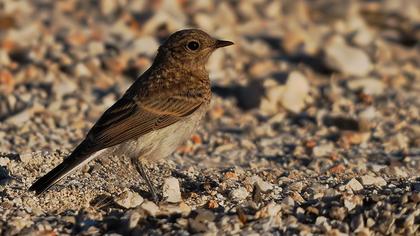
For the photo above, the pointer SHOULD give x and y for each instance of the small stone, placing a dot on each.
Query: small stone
(323, 223)
(171, 190)
(263, 185)
(346, 59)
(65, 87)
(200, 222)
(273, 209)
(132, 217)
(367, 180)
(26, 158)
(7, 82)
(150, 207)
(295, 92)
(129, 199)
(288, 201)
(363, 37)
(96, 48)
(273, 94)
(4, 161)
(338, 213)
(354, 185)
(4, 58)
(337, 169)
(350, 202)
(377, 168)
(239, 194)
(397, 171)
(212, 204)
(81, 70)
(296, 186)
(323, 150)
(297, 197)
(230, 175)
(169, 209)
(369, 86)
(69, 219)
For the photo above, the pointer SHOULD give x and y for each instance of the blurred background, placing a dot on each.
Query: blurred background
(345, 71)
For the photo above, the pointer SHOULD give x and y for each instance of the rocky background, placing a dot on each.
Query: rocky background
(314, 126)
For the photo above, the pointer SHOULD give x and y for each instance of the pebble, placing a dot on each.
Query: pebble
(150, 207)
(201, 222)
(369, 86)
(367, 180)
(363, 37)
(323, 150)
(273, 94)
(397, 171)
(263, 185)
(181, 208)
(171, 190)
(239, 194)
(295, 92)
(132, 217)
(296, 186)
(129, 199)
(354, 185)
(288, 201)
(81, 70)
(347, 59)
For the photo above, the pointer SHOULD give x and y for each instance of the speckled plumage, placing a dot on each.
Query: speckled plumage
(157, 113)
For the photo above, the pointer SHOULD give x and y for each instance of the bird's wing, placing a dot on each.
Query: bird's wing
(128, 119)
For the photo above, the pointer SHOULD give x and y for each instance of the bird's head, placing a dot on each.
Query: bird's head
(189, 48)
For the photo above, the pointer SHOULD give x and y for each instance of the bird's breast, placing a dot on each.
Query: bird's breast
(161, 143)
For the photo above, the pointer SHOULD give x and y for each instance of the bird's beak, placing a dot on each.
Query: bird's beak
(222, 43)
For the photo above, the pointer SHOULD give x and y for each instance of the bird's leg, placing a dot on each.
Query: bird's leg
(140, 168)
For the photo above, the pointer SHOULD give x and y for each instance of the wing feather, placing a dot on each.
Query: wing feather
(128, 119)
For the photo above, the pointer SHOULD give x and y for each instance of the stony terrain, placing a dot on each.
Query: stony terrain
(314, 126)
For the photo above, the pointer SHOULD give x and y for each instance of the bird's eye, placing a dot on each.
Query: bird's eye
(193, 45)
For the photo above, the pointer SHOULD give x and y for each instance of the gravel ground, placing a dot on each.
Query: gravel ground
(314, 126)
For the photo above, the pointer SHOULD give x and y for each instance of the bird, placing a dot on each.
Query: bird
(157, 113)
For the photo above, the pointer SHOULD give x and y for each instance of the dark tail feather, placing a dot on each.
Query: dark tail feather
(60, 171)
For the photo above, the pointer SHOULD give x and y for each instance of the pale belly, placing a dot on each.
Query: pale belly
(161, 143)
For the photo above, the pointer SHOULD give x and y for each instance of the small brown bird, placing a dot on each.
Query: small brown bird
(159, 111)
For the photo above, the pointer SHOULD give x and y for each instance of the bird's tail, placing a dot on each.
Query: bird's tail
(70, 164)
